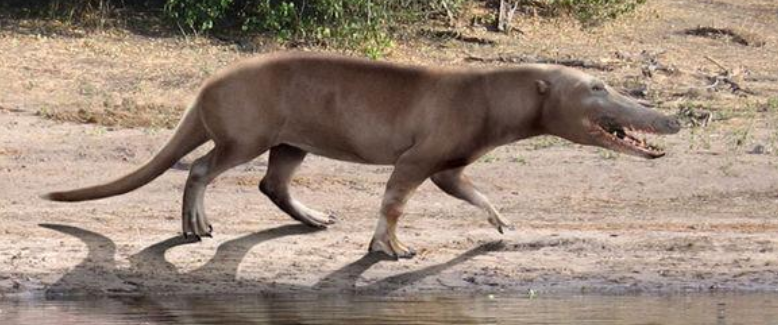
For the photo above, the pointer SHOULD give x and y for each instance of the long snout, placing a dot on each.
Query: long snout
(666, 125)
(639, 117)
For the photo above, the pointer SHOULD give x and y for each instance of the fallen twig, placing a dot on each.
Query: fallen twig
(505, 17)
(735, 87)
(578, 63)
(725, 77)
(693, 117)
(451, 20)
(745, 39)
(717, 63)
(456, 35)
(649, 62)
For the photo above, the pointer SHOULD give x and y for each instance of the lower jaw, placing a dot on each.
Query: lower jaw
(647, 155)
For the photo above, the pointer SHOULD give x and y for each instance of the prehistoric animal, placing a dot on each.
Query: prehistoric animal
(427, 122)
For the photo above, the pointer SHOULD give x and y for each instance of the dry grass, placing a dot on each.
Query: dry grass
(128, 114)
(116, 78)
(112, 78)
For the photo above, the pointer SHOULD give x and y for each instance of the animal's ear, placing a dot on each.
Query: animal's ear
(543, 86)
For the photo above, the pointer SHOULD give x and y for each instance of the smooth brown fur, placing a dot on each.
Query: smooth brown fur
(428, 123)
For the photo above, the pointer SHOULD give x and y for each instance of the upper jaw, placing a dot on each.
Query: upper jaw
(612, 135)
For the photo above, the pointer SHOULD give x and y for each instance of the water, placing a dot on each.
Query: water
(748, 309)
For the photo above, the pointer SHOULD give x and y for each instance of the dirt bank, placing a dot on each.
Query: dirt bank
(703, 218)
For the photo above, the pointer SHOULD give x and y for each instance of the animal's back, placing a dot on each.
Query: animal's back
(337, 107)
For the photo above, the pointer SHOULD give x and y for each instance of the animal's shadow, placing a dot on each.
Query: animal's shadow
(99, 274)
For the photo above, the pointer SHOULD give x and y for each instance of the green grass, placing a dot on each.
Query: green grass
(607, 154)
(519, 160)
(361, 25)
(488, 158)
(772, 105)
(546, 141)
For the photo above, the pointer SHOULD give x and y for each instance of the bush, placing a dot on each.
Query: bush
(90, 13)
(363, 25)
(84, 13)
(347, 24)
(198, 15)
(354, 24)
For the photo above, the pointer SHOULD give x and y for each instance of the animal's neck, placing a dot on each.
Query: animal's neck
(515, 112)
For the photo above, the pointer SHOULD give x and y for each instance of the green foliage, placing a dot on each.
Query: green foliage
(198, 15)
(772, 105)
(341, 23)
(368, 26)
(87, 13)
(354, 24)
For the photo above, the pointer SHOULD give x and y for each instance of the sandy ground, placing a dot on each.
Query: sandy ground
(700, 219)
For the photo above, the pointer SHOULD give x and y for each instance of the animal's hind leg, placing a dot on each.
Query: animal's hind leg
(203, 171)
(283, 162)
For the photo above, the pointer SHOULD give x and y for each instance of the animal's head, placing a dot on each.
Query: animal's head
(583, 109)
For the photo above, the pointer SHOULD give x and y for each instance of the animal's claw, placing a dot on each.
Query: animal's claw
(395, 256)
(317, 222)
(499, 223)
(393, 250)
(315, 225)
(192, 236)
(410, 253)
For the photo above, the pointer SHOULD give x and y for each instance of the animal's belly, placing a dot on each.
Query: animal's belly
(351, 150)
(356, 134)
(337, 154)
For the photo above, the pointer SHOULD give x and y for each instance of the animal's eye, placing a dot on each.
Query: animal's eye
(598, 87)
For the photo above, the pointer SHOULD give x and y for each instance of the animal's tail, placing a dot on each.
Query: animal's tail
(189, 134)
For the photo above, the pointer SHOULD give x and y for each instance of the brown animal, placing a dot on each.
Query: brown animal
(428, 123)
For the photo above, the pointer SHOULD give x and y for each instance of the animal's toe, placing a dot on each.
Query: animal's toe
(410, 253)
(192, 236)
(381, 251)
(208, 231)
(317, 225)
(312, 222)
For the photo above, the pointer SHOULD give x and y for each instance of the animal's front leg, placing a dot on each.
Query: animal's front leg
(456, 184)
(403, 182)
